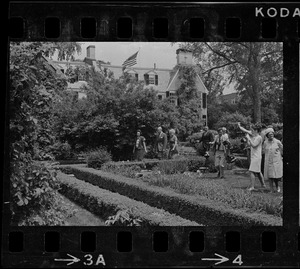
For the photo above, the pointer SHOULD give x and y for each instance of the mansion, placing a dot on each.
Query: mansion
(164, 81)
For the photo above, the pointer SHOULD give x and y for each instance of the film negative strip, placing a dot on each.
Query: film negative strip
(128, 216)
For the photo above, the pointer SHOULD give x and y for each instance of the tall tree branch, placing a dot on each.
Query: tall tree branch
(216, 67)
(219, 53)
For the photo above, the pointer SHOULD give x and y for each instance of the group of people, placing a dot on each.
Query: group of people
(163, 147)
(265, 156)
(265, 151)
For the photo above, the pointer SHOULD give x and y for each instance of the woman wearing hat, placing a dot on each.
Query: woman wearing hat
(273, 150)
(139, 148)
(254, 140)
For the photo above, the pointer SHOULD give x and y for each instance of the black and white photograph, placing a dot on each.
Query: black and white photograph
(146, 133)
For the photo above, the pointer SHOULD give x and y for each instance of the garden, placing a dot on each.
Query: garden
(175, 186)
(71, 160)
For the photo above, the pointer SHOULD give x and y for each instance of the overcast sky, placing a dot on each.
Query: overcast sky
(161, 53)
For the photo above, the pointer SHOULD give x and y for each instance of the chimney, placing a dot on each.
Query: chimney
(90, 52)
(154, 65)
(184, 56)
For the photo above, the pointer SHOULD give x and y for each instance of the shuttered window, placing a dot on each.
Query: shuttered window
(146, 78)
(204, 100)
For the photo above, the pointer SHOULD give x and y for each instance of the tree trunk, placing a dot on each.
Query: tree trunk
(255, 72)
(256, 103)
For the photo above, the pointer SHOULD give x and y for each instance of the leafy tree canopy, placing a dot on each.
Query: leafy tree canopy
(255, 69)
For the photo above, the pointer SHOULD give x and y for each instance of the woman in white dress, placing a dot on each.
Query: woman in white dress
(254, 140)
(273, 150)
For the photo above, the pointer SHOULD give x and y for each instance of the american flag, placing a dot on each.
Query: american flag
(130, 61)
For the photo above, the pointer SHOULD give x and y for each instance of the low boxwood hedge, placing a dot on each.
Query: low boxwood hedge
(168, 166)
(105, 203)
(195, 208)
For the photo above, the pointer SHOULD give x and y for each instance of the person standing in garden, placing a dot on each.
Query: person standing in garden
(206, 139)
(220, 149)
(254, 140)
(139, 148)
(273, 150)
(173, 142)
(161, 143)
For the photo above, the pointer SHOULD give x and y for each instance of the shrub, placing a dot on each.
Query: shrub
(236, 146)
(172, 166)
(194, 138)
(57, 214)
(213, 211)
(98, 157)
(217, 191)
(229, 120)
(61, 151)
(34, 196)
(123, 218)
(124, 170)
(104, 203)
(195, 164)
(150, 153)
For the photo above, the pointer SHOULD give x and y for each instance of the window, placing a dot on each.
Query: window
(159, 97)
(204, 100)
(233, 101)
(204, 120)
(62, 70)
(137, 77)
(173, 98)
(151, 79)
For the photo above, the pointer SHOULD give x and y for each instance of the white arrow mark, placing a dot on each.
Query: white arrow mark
(223, 259)
(71, 261)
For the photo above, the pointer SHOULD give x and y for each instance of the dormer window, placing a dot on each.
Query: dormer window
(151, 78)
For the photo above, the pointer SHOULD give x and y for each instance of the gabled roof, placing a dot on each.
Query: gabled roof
(174, 80)
(151, 71)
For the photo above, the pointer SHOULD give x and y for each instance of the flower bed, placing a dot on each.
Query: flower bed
(105, 203)
(192, 207)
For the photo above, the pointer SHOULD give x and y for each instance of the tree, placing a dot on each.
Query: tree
(189, 102)
(34, 86)
(255, 68)
(229, 120)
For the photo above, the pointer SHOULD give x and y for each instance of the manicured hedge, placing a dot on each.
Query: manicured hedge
(72, 161)
(105, 203)
(146, 164)
(191, 163)
(194, 208)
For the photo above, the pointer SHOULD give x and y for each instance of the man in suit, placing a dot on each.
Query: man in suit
(161, 143)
